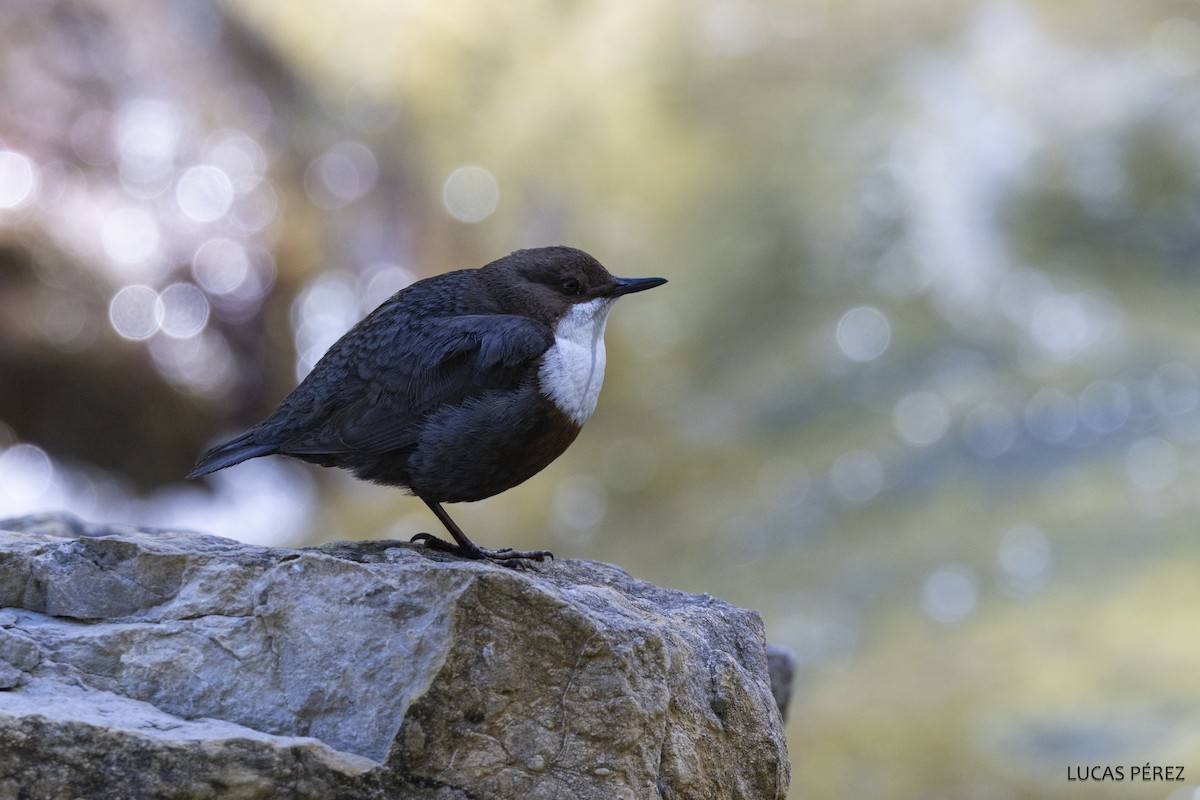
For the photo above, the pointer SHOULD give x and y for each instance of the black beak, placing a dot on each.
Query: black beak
(631, 285)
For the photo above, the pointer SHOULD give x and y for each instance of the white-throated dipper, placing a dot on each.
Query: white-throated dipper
(457, 388)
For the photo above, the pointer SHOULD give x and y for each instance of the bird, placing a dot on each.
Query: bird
(458, 387)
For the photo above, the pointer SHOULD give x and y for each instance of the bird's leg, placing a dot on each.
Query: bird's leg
(464, 547)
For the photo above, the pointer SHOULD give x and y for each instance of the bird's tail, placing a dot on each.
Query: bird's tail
(235, 451)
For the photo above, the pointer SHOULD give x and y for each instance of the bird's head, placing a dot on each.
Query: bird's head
(546, 282)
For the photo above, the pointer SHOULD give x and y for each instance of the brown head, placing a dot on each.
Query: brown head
(545, 282)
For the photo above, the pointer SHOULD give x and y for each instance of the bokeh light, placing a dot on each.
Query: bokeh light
(130, 236)
(148, 136)
(240, 158)
(18, 179)
(382, 280)
(921, 418)
(200, 364)
(989, 430)
(1152, 463)
(341, 175)
(220, 265)
(136, 312)
(1104, 406)
(204, 193)
(26, 474)
(1025, 558)
(184, 310)
(256, 210)
(1051, 416)
(863, 333)
(324, 311)
(857, 476)
(950, 594)
(471, 194)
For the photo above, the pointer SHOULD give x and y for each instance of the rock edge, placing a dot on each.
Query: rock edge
(147, 663)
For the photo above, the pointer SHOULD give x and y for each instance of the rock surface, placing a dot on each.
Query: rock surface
(142, 663)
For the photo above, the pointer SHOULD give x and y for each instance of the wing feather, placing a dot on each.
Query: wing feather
(380, 396)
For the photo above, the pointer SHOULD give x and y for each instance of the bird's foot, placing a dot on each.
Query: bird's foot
(517, 559)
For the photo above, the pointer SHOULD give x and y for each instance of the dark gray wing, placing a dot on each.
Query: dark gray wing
(370, 391)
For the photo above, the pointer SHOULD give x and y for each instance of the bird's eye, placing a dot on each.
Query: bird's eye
(572, 286)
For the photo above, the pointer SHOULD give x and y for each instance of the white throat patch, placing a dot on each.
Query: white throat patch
(573, 368)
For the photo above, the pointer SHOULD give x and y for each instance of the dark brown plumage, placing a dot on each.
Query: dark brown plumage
(456, 388)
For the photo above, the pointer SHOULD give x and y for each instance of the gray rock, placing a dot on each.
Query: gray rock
(143, 663)
(781, 667)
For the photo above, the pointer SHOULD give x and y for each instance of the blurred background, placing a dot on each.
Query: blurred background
(924, 388)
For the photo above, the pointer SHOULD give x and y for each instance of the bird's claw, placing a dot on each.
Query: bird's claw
(516, 559)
